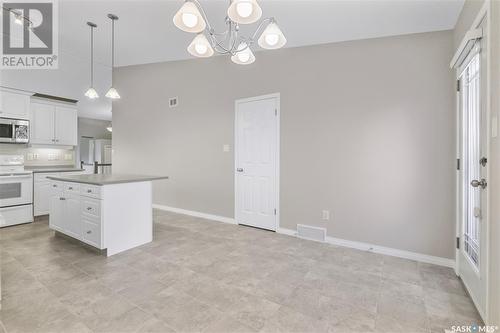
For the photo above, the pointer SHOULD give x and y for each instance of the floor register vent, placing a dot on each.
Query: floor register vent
(312, 233)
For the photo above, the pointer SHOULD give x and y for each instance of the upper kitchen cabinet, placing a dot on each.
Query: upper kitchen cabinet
(14, 104)
(53, 123)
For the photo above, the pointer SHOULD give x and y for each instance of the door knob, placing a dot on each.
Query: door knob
(479, 183)
(239, 170)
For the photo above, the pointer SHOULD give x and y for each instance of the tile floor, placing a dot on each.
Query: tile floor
(204, 276)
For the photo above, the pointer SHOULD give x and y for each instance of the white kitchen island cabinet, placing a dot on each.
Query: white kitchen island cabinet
(107, 211)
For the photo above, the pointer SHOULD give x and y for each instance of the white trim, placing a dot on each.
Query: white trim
(465, 46)
(217, 218)
(276, 96)
(329, 240)
(288, 232)
(381, 250)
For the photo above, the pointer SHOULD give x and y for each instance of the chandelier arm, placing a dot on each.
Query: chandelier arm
(216, 44)
(209, 27)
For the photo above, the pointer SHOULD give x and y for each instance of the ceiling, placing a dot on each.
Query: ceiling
(145, 34)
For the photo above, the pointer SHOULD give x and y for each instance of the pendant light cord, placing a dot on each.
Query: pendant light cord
(92, 56)
(112, 44)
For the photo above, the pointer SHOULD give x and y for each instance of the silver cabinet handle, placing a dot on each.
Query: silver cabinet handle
(479, 183)
(239, 169)
(89, 232)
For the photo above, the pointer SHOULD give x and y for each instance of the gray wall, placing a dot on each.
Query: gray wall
(367, 132)
(94, 128)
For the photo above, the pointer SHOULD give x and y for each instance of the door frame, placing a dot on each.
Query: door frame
(483, 13)
(278, 150)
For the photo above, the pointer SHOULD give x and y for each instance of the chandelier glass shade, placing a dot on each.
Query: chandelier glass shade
(192, 18)
(244, 11)
(200, 47)
(189, 18)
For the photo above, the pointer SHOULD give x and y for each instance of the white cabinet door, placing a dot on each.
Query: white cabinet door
(73, 225)
(42, 123)
(56, 218)
(41, 204)
(14, 105)
(66, 125)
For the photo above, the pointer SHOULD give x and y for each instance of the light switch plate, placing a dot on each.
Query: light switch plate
(226, 148)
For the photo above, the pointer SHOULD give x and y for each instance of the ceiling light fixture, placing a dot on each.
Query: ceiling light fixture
(91, 92)
(192, 18)
(112, 92)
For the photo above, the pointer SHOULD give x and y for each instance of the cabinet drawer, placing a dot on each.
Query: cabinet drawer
(71, 188)
(91, 206)
(91, 233)
(90, 190)
(56, 187)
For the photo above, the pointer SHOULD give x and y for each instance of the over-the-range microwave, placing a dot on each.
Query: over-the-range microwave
(14, 130)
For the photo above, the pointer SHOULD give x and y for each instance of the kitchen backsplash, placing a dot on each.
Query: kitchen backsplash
(40, 156)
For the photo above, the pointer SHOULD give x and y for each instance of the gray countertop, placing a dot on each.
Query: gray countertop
(107, 179)
(41, 169)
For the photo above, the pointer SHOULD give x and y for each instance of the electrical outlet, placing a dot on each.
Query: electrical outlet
(226, 148)
(29, 157)
(35, 157)
(326, 215)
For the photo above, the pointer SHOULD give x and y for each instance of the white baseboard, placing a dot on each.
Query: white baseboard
(382, 250)
(196, 214)
(330, 240)
(288, 232)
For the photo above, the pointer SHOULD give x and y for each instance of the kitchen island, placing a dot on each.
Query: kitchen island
(111, 212)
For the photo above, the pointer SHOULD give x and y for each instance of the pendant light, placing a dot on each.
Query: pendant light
(112, 92)
(91, 92)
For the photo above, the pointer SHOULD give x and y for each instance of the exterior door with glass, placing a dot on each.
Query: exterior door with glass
(473, 229)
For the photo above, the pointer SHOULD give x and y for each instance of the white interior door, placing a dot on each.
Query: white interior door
(256, 154)
(472, 254)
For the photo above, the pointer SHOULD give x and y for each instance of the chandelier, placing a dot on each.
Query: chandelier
(192, 18)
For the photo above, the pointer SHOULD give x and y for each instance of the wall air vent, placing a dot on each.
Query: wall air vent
(172, 102)
(312, 233)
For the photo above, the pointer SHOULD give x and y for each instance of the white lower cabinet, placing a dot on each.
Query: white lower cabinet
(75, 214)
(42, 188)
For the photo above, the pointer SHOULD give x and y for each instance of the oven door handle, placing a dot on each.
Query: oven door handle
(27, 175)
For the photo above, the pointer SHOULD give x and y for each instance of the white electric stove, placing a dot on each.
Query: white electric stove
(16, 191)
